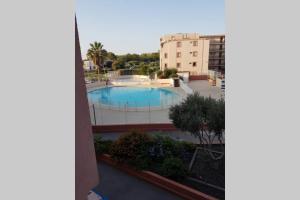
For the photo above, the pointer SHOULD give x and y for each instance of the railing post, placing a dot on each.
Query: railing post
(126, 106)
(101, 114)
(95, 122)
(149, 114)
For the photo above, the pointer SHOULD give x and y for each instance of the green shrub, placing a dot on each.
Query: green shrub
(174, 76)
(168, 73)
(102, 146)
(159, 73)
(186, 151)
(164, 147)
(173, 70)
(161, 76)
(132, 149)
(173, 168)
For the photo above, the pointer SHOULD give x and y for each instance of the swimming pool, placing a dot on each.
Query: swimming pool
(133, 97)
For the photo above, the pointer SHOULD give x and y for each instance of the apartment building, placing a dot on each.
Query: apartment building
(216, 60)
(188, 52)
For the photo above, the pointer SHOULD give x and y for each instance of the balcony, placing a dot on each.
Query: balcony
(217, 43)
(216, 65)
(218, 58)
(216, 50)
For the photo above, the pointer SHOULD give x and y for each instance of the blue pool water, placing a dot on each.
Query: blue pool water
(132, 96)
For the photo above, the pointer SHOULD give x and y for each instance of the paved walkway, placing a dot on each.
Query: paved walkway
(117, 185)
(205, 88)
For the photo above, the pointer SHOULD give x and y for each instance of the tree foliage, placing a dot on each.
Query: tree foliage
(96, 54)
(145, 64)
(173, 168)
(132, 148)
(201, 116)
(136, 61)
(167, 73)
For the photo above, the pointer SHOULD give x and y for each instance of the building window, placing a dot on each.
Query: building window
(195, 53)
(178, 65)
(166, 55)
(166, 65)
(195, 43)
(178, 44)
(194, 64)
(178, 55)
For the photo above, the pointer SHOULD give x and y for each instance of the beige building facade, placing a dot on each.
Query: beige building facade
(188, 52)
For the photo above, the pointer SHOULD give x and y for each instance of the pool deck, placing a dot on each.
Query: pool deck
(205, 89)
(109, 116)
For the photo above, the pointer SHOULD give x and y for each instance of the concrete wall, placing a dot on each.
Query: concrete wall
(169, 47)
(185, 87)
(86, 174)
(185, 76)
(138, 77)
(165, 81)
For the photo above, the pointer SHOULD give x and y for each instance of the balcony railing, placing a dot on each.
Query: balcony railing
(216, 50)
(217, 43)
(218, 58)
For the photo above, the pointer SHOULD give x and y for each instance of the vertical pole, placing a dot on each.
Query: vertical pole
(149, 114)
(126, 113)
(101, 114)
(172, 100)
(95, 122)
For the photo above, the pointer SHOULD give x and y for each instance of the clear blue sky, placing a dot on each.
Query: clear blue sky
(135, 26)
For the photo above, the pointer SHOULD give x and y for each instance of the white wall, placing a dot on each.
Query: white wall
(185, 87)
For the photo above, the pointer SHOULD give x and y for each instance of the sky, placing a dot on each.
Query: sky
(135, 26)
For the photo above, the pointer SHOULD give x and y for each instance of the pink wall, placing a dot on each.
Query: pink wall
(86, 174)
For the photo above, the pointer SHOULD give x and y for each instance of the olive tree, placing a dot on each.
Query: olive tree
(203, 117)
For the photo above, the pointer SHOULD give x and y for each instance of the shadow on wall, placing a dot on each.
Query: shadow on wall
(86, 174)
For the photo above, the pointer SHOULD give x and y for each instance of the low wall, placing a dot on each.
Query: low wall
(128, 127)
(186, 88)
(198, 77)
(95, 84)
(165, 81)
(130, 83)
(133, 77)
(184, 75)
(160, 181)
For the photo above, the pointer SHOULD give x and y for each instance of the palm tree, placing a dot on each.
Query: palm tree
(95, 53)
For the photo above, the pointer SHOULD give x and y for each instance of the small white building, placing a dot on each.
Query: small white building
(89, 65)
